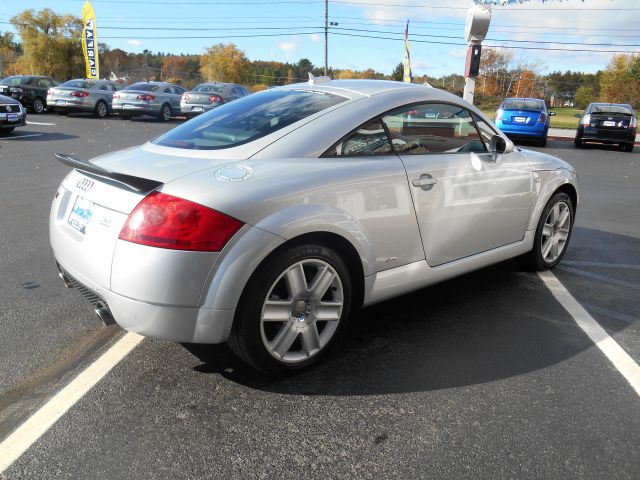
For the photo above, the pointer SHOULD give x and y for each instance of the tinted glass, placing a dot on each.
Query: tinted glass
(368, 140)
(44, 83)
(16, 80)
(486, 132)
(610, 108)
(145, 87)
(248, 119)
(529, 105)
(79, 84)
(433, 128)
(209, 88)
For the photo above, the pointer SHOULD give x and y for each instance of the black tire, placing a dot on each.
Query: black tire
(6, 131)
(165, 113)
(543, 142)
(101, 110)
(246, 338)
(37, 105)
(534, 260)
(578, 143)
(628, 147)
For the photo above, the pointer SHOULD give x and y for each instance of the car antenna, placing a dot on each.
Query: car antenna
(313, 80)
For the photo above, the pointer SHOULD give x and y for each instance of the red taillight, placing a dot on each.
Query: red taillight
(542, 118)
(165, 221)
(215, 99)
(186, 98)
(116, 95)
(79, 94)
(586, 120)
(146, 97)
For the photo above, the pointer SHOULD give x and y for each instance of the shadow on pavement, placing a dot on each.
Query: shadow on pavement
(33, 136)
(489, 325)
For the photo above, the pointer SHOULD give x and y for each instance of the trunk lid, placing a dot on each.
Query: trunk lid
(610, 121)
(520, 117)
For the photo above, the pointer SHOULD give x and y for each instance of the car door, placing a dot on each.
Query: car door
(176, 96)
(467, 201)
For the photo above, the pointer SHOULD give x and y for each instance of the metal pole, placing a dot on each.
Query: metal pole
(326, 36)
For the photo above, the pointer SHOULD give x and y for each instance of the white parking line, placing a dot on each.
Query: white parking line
(35, 426)
(614, 352)
(15, 137)
(38, 123)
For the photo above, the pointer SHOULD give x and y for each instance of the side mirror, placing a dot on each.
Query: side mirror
(552, 114)
(498, 146)
(578, 115)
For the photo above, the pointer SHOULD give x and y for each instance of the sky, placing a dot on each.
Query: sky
(287, 30)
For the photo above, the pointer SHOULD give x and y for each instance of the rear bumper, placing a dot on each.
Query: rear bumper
(71, 105)
(606, 136)
(135, 109)
(188, 108)
(532, 132)
(176, 324)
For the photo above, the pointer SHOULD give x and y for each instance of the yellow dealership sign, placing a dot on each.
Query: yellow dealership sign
(90, 41)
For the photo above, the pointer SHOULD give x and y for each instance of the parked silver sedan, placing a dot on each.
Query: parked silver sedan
(208, 96)
(82, 95)
(155, 99)
(266, 221)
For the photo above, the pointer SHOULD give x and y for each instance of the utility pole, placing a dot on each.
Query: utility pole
(326, 36)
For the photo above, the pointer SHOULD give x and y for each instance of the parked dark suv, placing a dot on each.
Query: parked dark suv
(30, 90)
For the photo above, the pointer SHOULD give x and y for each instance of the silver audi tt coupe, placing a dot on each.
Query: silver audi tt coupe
(265, 221)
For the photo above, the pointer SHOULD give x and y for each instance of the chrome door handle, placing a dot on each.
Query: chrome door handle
(426, 182)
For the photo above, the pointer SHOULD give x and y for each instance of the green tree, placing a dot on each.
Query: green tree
(584, 96)
(398, 73)
(619, 82)
(51, 44)
(225, 63)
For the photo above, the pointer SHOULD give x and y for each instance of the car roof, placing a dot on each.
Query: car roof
(525, 99)
(363, 88)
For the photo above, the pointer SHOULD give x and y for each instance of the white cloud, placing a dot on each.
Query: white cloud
(315, 38)
(134, 43)
(287, 47)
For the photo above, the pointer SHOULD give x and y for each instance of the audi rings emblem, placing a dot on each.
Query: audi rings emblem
(85, 184)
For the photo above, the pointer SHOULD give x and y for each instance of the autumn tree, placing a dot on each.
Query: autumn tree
(9, 51)
(51, 44)
(225, 63)
(174, 67)
(620, 82)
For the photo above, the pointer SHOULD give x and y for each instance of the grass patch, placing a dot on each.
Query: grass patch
(564, 117)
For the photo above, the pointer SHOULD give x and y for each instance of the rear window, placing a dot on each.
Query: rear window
(145, 87)
(79, 84)
(210, 88)
(529, 105)
(609, 108)
(248, 119)
(15, 80)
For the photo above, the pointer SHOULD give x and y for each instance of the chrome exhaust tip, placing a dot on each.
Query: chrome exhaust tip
(105, 316)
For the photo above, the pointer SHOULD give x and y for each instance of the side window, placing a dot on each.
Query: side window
(179, 90)
(486, 132)
(433, 128)
(44, 83)
(168, 90)
(370, 139)
(104, 86)
(236, 92)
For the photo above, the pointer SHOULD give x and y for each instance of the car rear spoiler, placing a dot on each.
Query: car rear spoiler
(128, 182)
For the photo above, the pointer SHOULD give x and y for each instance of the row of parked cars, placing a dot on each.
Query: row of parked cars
(609, 123)
(102, 97)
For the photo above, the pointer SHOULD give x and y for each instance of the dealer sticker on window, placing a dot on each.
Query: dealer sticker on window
(80, 215)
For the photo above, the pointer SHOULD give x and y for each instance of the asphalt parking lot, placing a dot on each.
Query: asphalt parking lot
(483, 376)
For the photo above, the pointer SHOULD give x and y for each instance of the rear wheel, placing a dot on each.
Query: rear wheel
(37, 105)
(101, 109)
(165, 112)
(552, 234)
(292, 309)
(578, 143)
(628, 147)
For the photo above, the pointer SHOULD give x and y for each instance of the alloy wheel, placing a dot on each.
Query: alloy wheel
(302, 311)
(555, 232)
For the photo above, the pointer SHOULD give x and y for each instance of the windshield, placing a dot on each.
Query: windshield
(248, 119)
(611, 108)
(79, 84)
(209, 88)
(530, 105)
(145, 87)
(15, 80)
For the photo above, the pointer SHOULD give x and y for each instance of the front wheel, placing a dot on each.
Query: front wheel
(37, 105)
(292, 309)
(552, 234)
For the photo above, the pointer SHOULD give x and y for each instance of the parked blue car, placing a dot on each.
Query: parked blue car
(524, 118)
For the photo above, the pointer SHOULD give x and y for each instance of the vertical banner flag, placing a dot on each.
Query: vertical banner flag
(90, 41)
(408, 77)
